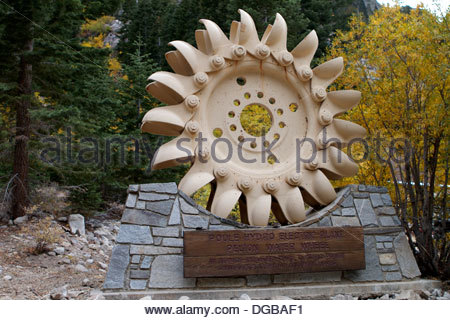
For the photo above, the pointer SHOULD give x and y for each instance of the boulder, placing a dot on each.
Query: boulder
(76, 224)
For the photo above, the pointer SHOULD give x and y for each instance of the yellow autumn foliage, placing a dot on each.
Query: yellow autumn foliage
(400, 63)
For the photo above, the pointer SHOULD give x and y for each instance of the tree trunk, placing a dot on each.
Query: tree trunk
(21, 163)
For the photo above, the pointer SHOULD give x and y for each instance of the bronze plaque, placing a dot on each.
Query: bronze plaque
(272, 251)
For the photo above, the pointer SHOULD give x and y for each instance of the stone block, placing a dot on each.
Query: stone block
(380, 245)
(362, 187)
(336, 212)
(131, 200)
(135, 258)
(133, 188)
(388, 245)
(220, 282)
(345, 221)
(187, 208)
(139, 274)
(330, 276)
(348, 202)
(175, 216)
(405, 257)
(135, 234)
(195, 222)
(258, 280)
(387, 258)
(386, 199)
(376, 189)
(157, 241)
(375, 198)
(138, 284)
(166, 232)
(386, 221)
(348, 212)
(384, 238)
(393, 267)
(213, 221)
(372, 272)
(162, 207)
(365, 212)
(120, 258)
(153, 250)
(170, 188)
(172, 242)
(325, 222)
(145, 196)
(393, 276)
(140, 205)
(360, 195)
(143, 217)
(167, 272)
(397, 221)
(389, 211)
(147, 262)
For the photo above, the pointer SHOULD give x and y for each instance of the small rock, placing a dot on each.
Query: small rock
(92, 246)
(21, 220)
(59, 293)
(51, 253)
(10, 222)
(66, 244)
(74, 241)
(66, 261)
(76, 224)
(1, 269)
(245, 297)
(81, 268)
(183, 298)
(102, 265)
(74, 293)
(384, 297)
(90, 261)
(86, 282)
(7, 278)
(62, 219)
(87, 255)
(437, 292)
(59, 250)
(146, 298)
(407, 295)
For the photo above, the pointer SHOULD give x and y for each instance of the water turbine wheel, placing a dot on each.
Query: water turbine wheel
(219, 86)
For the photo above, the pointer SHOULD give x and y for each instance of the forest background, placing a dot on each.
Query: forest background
(72, 96)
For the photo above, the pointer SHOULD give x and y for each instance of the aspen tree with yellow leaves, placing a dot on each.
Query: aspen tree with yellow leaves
(399, 60)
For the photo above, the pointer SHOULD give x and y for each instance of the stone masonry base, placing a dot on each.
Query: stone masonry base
(148, 260)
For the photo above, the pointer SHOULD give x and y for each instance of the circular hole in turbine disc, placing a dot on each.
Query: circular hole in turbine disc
(280, 112)
(272, 100)
(253, 144)
(233, 127)
(282, 124)
(260, 95)
(241, 81)
(236, 102)
(231, 114)
(271, 159)
(256, 120)
(247, 95)
(293, 107)
(217, 132)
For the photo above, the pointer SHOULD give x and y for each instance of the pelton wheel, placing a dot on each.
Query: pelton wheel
(225, 83)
